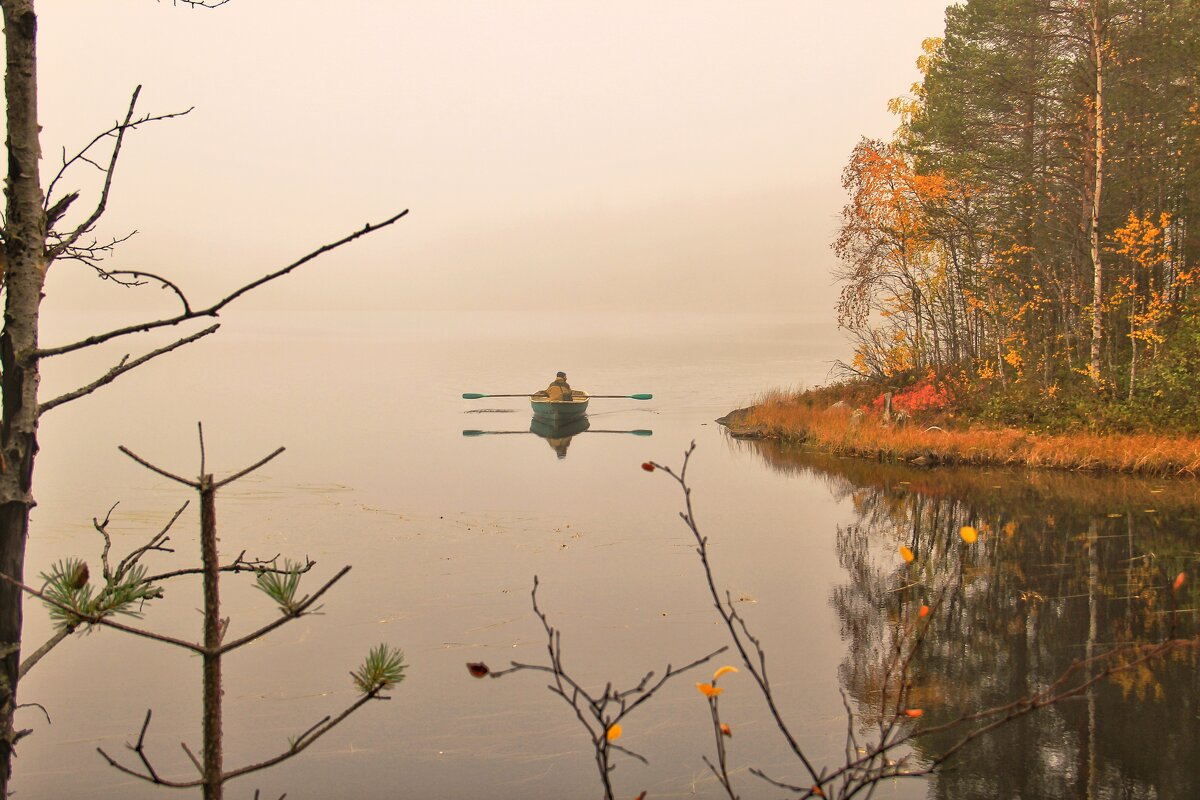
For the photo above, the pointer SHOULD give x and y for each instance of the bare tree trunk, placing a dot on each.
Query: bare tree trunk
(25, 274)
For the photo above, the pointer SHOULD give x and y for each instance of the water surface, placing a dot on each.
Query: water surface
(445, 533)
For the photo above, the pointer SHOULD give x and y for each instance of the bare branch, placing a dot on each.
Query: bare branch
(159, 470)
(215, 308)
(299, 745)
(240, 564)
(121, 368)
(302, 742)
(135, 278)
(150, 776)
(243, 473)
(156, 543)
(118, 131)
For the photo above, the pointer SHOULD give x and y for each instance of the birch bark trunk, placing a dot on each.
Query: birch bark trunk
(24, 280)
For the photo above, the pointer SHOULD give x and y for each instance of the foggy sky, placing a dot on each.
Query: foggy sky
(636, 154)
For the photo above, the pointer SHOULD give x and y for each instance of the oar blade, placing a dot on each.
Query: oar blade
(473, 433)
(642, 432)
(641, 397)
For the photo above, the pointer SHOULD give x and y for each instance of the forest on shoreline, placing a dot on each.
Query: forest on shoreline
(1022, 252)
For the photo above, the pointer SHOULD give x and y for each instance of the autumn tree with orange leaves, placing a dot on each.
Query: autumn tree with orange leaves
(1033, 223)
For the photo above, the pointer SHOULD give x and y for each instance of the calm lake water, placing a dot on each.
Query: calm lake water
(446, 531)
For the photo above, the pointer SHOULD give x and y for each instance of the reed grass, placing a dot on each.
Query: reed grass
(804, 417)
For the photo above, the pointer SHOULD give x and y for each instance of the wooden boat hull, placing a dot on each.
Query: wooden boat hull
(559, 411)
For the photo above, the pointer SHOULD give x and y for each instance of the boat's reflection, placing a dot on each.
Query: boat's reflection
(558, 434)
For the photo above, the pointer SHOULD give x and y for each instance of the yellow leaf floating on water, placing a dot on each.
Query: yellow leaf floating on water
(614, 732)
(913, 712)
(968, 534)
(1179, 580)
(906, 554)
(723, 671)
(708, 690)
(924, 612)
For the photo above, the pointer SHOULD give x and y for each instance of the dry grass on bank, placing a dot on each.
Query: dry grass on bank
(788, 417)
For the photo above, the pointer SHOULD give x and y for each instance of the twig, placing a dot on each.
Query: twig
(599, 715)
(159, 470)
(729, 615)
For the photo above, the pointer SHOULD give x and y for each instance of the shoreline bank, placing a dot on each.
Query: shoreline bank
(843, 431)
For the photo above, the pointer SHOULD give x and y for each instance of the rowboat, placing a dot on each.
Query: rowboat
(558, 411)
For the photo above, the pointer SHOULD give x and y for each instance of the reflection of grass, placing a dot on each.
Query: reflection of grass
(843, 431)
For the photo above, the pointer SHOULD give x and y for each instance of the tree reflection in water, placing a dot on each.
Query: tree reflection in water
(1066, 567)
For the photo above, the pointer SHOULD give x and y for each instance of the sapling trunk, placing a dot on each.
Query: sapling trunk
(212, 640)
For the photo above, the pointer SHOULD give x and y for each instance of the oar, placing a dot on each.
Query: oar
(477, 396)
(623, 396)
(474, 396)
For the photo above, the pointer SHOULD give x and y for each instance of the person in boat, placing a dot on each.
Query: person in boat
(559, 390)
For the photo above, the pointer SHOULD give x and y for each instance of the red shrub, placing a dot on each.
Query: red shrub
(921, 397)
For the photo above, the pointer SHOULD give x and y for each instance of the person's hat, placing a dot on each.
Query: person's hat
(562, 375)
